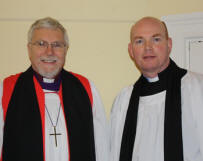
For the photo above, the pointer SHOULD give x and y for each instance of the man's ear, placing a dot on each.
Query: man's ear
(130, 51)
(66, 50)
(169, 45)
(29, 49)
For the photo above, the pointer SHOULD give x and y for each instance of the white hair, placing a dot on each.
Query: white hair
(50, 23)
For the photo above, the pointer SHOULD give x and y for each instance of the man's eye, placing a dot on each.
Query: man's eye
(157, 39)
(41, 43)
(57, 45)
(139, 41)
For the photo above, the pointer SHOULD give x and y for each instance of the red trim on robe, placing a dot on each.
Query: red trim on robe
(8, 87)
(86, 84)
(41, 101)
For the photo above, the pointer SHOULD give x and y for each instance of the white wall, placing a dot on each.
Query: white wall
(99, 35)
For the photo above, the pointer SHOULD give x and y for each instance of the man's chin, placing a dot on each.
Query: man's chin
(49, 74)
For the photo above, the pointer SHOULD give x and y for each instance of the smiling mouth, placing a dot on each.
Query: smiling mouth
(48, 61)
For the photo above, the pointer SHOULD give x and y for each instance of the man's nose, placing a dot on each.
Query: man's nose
(148, 45)
(49, 50)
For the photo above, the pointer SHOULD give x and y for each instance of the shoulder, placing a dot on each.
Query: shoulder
(75, 77)
(193, 76)
(79, 76)
(192, 95)
(7, 90)
(9, 82)
(192, 91)
(11, 79)
(125, 92)
(192, 80)
(87, 84)
(121, 101)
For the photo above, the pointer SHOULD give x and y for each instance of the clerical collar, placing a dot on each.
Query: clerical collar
(162, 76)
(157, 84)
(49, 84)
(152, 79)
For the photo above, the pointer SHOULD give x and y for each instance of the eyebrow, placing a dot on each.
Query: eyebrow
(140, 37)
(137, 37)
(155, 35)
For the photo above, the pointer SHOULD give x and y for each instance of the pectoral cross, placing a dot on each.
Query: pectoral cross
(55, 134)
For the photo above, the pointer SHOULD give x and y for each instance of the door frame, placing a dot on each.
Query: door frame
(183, 29)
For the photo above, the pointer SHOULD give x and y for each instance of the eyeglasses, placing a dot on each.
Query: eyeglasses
(57, 46)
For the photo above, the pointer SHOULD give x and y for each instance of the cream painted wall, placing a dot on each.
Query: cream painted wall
(98, 31)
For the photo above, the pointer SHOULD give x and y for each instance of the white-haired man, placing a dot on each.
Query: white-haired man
(49, 114)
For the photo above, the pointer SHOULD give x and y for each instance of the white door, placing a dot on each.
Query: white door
(186, 32)
(195, 53)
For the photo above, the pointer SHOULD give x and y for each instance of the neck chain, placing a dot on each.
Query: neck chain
(54, 126)
(50, 116)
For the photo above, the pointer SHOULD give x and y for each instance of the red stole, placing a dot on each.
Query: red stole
(10, 85)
